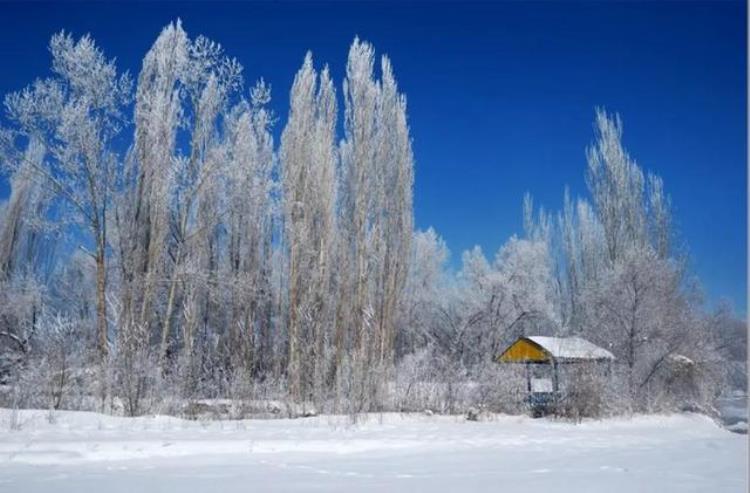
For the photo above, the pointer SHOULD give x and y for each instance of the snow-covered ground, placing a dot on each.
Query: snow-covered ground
(79, 452)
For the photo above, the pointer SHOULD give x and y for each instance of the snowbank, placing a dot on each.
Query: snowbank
(78, 451)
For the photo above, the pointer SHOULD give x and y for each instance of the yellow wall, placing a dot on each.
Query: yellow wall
(523, 350)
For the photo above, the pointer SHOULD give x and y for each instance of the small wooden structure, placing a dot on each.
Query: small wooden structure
(542, 357)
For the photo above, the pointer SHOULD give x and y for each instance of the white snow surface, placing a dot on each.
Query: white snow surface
(571, 348)
(80, 451)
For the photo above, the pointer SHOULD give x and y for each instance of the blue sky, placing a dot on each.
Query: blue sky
(501, 97)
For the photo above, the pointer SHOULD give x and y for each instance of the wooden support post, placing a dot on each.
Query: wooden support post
(528, 378)
(555, 385)
(555, 377)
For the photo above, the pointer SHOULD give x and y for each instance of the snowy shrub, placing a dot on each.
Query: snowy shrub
(412, 390)
(500, 388)
(585, 392)
(136, 381)
(56, 376)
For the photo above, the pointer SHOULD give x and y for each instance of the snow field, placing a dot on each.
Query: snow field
(78, 451)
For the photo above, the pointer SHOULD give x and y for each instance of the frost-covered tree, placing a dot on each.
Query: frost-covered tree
(496, 302)
(143, 214)
(26, 259)
(143, 218)
(308, 164)
(208, 81)
(170, 209)
(616, 184)
(75, 115)
(22, 218)
(376, 219)
(248, 228)
(426, 288)
(624, 288)
(642, 311)
(396, 176)
(359, 200)
(660, 216)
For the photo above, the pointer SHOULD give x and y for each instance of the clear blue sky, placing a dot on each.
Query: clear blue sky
(501, 97)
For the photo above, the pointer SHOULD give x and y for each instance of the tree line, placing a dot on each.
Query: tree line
(159, 247)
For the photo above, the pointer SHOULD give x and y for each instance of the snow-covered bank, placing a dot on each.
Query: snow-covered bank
(733, 411)
(86, 451)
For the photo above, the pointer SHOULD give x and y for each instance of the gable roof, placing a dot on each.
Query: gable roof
(571, 348)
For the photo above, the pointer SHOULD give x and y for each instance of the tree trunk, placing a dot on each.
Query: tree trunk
(101, 302)
(293, 364)
(166, 326)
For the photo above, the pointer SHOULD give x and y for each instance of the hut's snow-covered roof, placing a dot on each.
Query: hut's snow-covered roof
(573, 348)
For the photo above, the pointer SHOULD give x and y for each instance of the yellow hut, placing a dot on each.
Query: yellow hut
(542, 357)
